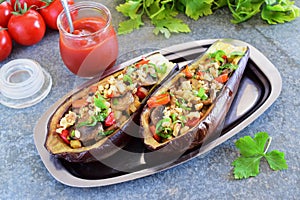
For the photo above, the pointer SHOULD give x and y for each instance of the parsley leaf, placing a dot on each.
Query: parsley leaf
(246, 167)
(129, 25)
(195, 8)
(281, 11)
(130, 9)
(163, 13)
(167, 26)
(166, 23)
(276, 160)
(252, 150)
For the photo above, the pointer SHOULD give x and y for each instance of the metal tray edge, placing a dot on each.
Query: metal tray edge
(66, 178)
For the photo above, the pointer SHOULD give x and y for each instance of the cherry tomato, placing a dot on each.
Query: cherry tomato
(51, 12)
(5, 44)
(141, 92)
(65, 136)
(35, 4)
(110, 120)
(155, 136)
(28, 28)
(5, 13)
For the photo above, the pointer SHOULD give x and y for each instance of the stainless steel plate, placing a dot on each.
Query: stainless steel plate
(259, 88)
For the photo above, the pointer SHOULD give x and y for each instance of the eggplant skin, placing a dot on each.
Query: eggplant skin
(102, 149)
(210, 125)
(105, 147)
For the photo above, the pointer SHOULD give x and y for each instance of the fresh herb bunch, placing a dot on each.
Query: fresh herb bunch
(163, 13)
(252, 150)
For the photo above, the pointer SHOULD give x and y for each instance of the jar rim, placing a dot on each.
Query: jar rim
(84, 5)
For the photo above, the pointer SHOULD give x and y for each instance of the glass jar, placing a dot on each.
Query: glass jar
(92, 47)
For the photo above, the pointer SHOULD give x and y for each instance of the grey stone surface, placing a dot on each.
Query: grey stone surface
(23, 175)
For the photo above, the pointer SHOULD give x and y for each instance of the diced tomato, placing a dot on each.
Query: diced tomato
(159, 100)
(111, 95)
(192, 122)
(79, 103)
(141, 92)
(64, 136)
(110, 120)
(222, 78)
(155, 136)
(187, 72)
(200, 73)
(142, 62)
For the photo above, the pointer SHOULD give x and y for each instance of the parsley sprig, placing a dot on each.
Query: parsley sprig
(163, 13)
(252, 150)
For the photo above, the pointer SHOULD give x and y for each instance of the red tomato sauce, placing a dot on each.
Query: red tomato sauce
(89, 56)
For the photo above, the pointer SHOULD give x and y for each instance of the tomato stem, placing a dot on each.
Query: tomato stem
(18, 10)
(47, 3)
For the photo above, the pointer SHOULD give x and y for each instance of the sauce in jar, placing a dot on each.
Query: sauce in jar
(91, 50)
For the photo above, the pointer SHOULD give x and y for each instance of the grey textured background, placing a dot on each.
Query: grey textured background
(23, 175)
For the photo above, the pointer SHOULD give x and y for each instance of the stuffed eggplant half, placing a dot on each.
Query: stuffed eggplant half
(192, 105)
(91, 124)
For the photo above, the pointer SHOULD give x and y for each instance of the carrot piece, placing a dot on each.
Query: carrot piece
(142, 62)
(187, 72)
(222, 78)
(158, 100)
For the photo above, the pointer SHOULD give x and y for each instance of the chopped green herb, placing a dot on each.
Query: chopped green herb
(182, 105)
(218, 55)
(130, 69)
(127, 78)
(106, 133)
(178, 121)
(252, 150)
(100, 117)
(153, 75)
(162, 69)
(173, 117)
(91, 122)
(99, 102)
(72, 133)
(183, 119)
(236, 53)
(164, 132)
(202, 94)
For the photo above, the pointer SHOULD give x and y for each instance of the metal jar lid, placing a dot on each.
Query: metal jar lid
(23, 83)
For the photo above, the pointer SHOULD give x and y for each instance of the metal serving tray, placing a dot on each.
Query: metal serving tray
(259, 88)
